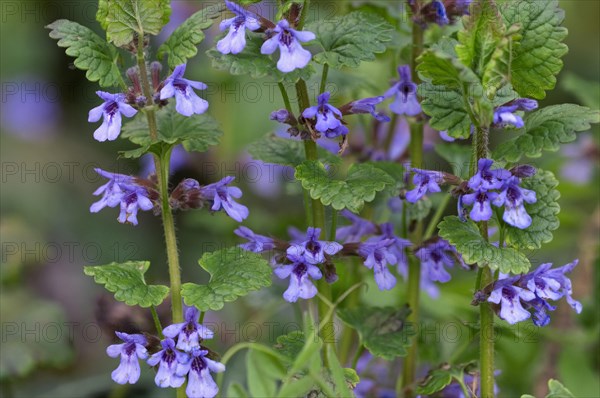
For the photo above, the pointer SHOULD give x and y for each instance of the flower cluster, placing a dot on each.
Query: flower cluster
(519, 296)
(499, 187)
(181, 355)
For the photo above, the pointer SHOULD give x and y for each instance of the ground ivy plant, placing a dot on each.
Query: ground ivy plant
(472, 70)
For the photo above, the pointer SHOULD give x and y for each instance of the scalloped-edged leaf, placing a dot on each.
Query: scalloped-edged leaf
(286, 152)
(544, 213)
(183, 42)
(92, 54)
(361, 184)
(350, 39)
(546, 129)
(233, 273)
(536, 58)
(196, 133)
(126, 281)
(382, 330)
(123, 19)
(439, 378)
(474, 249)
(447, 110)
(251, 62)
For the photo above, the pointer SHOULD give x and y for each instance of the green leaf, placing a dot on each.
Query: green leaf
(350, 39)
(290, 345)
(442, 69)
(382, 330)
(262, 373)
(458, 156)
(126, 281)
(474, 249)
(360, 185)
(544, 213)
(557, 390)
(546, 129)
(91, 52)
(233, 273)
(338, 374)
(536, 58)
(235, 390)
(299, 387)
(183, 42)
(447, 110)
(123, 19)
(439, 378)
(251, 62)
(196, 133)
(287, 152)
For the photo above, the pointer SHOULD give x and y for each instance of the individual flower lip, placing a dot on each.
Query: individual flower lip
(481, 200)
(424, 181)
(169, 360)
(222, 198)
(125, 191)
(133, 348)
(114, 105)
(377, 255)
(366, 105)
(328, 117)
(187, 101)
(190, 333)
(235, 40)
(313, 250)
(513, 197)
(505, 115)
(292, 55)
(300, 284)
(486, 178)
(256, 243)
(200, 382)
(510, 298)
(405, 93)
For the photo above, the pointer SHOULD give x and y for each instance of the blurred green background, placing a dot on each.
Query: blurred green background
(56, 322)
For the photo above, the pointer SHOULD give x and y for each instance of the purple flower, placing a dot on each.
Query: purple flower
(510, 298)
(435, 257)
(133, 348)
(505, 115)
(327, 117)
(355, 231)
(188, 333)
(368, 105)
(235, 41)
(187, 101)
(200, 382)
(513, 197)
(288, 40)
(481, 201)
(300, 284)
(440, 13)
(552, 284)
(424, 181)
(169, 360)
(406, 102)
(582, 159)
(397, 248)
(114, 105)
(377, 254)
(222, 195)
(539, 308)
(256, 243)
(488, 179)
(312, 250)
(122, 189)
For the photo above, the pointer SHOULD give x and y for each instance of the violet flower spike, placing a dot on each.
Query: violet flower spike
(405, 91)
(187, 101)
(235, 40)
(222, 198)
(114, 105)
(377, 256)
(133, 348)
(312, 250)
(424, 181)
(190, 333)
(200, 382)
(510, 298)
(292, 55)
(168, 360)
(256, 243)
(486, 178)
(300, 284)
(328, 117)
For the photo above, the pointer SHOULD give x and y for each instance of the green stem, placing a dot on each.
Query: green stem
(303, 13)
(286, 98)
(323, 84)
(405, 384)
(156, 320)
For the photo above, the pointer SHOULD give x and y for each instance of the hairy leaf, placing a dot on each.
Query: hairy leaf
(123, 19)
(126, 281)
(233, 273)
(360, 185)
(546, 129)
(350, 39)
(91, 52)
(286, 152)
(474, 249)
(382, 330)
